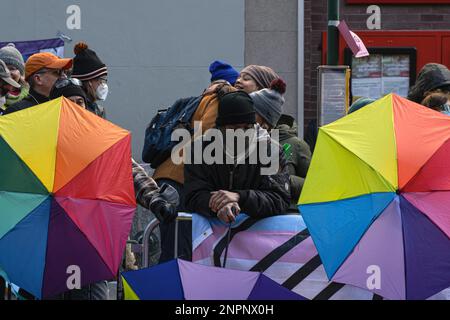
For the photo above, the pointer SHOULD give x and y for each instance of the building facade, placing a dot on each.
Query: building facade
(159, 50)
(421, 25)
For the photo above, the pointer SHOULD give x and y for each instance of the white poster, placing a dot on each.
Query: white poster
(395, 75)
(378, 75)
(333, 93)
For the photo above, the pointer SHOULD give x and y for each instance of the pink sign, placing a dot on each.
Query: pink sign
(353, 41)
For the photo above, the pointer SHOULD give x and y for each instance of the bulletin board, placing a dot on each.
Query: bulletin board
(384, 71)
(333, 93)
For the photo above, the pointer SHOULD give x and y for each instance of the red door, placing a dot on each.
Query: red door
(446, 50)
(431, 46)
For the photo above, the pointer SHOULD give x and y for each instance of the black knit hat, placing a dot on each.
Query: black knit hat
(235, 108)
(67, 88)
(86, 64)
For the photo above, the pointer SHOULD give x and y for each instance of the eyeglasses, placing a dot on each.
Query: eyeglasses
(66, 82)
(103, 80)
(56, 72)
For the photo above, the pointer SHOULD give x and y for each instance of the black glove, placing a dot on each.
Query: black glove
(169, 194)
(164, 211)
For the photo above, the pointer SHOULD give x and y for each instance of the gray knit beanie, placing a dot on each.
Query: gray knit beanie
(269, 102)
(262, 75)
(11, 56)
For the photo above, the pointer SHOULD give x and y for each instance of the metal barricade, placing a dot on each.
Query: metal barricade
(182, 216)
(145, 241)
(143, 248)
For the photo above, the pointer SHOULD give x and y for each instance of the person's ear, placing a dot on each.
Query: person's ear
(37, 79)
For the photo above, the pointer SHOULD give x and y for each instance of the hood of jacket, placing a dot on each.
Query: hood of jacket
(431, 77)
(287, 127)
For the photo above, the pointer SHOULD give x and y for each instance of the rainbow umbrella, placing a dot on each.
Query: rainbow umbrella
(376, 199)
(182, 280)
(66, 197)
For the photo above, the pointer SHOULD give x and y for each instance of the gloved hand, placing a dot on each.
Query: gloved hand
(163, 210)
(169, 194)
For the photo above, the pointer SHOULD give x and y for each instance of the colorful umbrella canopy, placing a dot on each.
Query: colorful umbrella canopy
(66, 196)
(376, 199)
(183, 280)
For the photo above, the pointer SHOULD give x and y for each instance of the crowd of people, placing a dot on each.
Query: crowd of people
(83, 80)
(251, 99)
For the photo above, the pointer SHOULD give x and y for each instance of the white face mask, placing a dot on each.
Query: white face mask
(102, 92)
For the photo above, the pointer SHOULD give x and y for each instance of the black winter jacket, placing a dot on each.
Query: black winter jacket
(260, 195)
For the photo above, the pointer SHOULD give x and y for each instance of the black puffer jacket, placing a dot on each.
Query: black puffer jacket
(260, 195)
(432, 76)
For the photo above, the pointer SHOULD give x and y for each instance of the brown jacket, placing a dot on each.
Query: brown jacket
(206, 113)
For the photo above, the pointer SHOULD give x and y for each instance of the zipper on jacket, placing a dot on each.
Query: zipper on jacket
(230, 187)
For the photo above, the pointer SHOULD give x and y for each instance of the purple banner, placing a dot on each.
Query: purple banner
(28, 48)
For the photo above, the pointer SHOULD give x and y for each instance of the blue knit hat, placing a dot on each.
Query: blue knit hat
(223, 71)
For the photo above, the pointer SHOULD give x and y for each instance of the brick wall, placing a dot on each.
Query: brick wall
(393, 17)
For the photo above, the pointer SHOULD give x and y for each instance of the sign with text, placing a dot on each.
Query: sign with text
(378, 75)
(333, 97)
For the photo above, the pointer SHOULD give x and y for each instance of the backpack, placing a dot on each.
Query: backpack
(158, 144)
